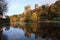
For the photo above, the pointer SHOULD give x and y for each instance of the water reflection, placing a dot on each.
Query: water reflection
(3, 36)
(42, 30)
(30, 31)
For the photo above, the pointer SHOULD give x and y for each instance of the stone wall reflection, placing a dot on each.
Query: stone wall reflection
(51, 29)
(46, 30)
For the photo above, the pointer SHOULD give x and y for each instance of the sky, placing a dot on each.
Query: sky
(17, 6)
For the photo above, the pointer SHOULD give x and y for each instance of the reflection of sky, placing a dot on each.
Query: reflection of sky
(17, 6)
(18, 34)
(14, 33)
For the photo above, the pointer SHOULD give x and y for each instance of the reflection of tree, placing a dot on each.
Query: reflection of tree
(14, 25)
(45, 30)
(28, 30)
(50, 30)
(2, 37)
(7, 27)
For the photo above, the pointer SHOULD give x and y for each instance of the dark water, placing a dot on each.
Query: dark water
(30, 31)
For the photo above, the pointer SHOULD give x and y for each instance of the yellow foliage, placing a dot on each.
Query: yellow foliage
(34, 16)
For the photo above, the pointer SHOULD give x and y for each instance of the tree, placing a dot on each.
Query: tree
(3, 7)
(57, 3)
(43, 7)
(54, 10)
(28, 17)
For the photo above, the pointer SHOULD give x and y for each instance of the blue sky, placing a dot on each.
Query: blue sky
(17, 6)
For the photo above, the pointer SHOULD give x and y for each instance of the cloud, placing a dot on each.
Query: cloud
(17, 6)
(14, 6)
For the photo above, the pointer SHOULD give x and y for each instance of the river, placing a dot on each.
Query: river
(24, 31)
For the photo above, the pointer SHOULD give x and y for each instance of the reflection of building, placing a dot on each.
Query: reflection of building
(2, 37)
(14, 24)
(28, 34)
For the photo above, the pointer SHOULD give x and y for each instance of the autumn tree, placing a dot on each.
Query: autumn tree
(57, 3)
(38, 11)
(44, 13)
(28, 16)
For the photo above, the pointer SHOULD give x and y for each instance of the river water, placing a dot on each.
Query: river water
(26, 31)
